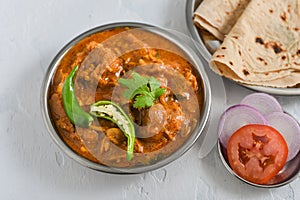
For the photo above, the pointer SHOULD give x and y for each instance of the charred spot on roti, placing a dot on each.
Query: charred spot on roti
(271, 11)
(277, 49)
(259, 40)
(246, 73)
(235, 37)
(283, 57)
(283, 16)
(289, 8)
(220, 56)
(298, 52)
(262, 60)
(297, 63)
(230, 62)
(296, 29)
(240, 53)
(223, 47)
(227, 13)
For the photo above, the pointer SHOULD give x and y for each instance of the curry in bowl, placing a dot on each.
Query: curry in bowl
(127, 97)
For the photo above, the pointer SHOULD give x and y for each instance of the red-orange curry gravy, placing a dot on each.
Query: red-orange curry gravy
(103, 58)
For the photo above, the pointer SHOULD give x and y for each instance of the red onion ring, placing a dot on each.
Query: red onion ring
(289, 129)
(236, 117)
(264, 103)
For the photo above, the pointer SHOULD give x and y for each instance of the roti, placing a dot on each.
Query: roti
(219, 16)
(263, 47)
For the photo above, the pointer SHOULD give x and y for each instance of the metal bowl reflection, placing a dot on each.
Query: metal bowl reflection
(194, 134)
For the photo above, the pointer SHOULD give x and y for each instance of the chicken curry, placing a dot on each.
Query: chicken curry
(165, 108)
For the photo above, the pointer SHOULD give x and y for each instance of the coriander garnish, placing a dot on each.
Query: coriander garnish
(142, 90)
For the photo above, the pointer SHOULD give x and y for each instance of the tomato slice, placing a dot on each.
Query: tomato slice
(257, 152)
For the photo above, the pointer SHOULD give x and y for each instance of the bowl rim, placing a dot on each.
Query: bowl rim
(189, 10)
(135, 170)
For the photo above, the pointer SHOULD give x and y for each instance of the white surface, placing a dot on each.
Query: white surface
(32, 167)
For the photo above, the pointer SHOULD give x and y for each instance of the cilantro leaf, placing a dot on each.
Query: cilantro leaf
(143, 101)
(157, 92)
(132, 84)
(143, 90)
(154, 83)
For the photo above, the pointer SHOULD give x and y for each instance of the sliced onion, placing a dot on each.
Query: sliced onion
(264, 103)
(236, 117)
(289, 128)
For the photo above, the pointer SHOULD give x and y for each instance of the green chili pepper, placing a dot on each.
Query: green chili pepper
(72, 108)
(111, 111)
(103, 109)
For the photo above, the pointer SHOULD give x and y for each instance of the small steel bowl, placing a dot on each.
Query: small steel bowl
(286, 175)
(169, 35)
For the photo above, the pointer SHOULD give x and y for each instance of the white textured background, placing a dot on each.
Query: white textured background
(32, 166)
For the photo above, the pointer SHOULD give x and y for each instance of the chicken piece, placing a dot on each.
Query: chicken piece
(90, 138)
(153, 122)
(116, 136)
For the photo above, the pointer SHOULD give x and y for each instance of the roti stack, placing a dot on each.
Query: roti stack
(219, 16)
(263, 46)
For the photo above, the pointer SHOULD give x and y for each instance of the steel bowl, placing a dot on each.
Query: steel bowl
(289, 172)
(285, 176)
(169, 35)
